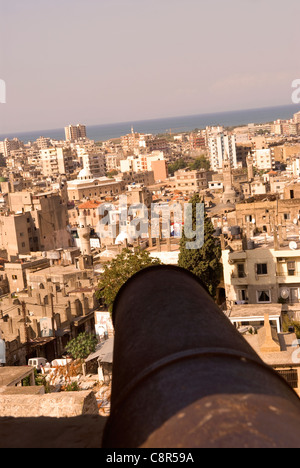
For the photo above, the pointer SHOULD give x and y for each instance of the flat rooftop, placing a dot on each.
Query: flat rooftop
(11, 376)
(255, 310)
(55, 270)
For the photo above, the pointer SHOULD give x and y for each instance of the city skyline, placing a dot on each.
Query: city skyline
(146, 62)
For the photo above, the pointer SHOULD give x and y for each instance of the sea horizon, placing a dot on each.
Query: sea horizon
(180, 124)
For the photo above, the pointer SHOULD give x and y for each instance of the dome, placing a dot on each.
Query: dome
(85, 174)
(122, 237)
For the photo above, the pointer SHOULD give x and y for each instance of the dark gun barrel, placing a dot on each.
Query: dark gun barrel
(184, 377)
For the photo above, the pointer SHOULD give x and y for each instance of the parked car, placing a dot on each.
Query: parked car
(38, 363)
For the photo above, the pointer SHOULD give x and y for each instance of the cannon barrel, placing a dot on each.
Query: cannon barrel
(184, 377)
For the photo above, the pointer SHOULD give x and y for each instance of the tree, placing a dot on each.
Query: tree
(176, 166)
(119, 270)
(204, 262)
(82, 346)
(112, 173)
(200, 163)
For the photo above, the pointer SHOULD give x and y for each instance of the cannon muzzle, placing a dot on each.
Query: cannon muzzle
(184, 377)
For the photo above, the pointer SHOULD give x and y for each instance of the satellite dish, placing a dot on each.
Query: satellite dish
(293, 245)
(285, 293)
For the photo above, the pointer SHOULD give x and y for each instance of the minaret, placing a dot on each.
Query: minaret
(227, 173)
(84, 233)
(250, 168)
(229, 195)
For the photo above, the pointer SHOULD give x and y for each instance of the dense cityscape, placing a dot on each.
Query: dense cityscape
(53, 256)
(149, 242)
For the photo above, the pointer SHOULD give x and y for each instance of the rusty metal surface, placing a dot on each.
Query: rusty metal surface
(184, 377)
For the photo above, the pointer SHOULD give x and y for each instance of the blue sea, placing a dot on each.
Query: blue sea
(173, 124)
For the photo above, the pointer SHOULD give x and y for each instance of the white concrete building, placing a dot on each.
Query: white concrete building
(219, 146)
(263, 159)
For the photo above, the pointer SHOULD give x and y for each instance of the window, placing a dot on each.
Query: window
(291, 376)
(291, 266)
(263, 297)
(243, 295)
(14, 277)
(241, 270)
(262, 269)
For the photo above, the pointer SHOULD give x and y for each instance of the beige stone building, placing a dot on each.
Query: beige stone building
(100, 188)
(56, 161)
(144, 178)
(267, 214)
(62, 297)
(112, 162)
(190, 182)
(285, 152)
(34, 222)
(263, 275)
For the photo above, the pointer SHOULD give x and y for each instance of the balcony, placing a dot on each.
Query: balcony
(291, 277)
(239, 279)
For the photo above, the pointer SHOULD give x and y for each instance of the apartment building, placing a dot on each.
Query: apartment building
(130, 142)
(262, 275)
(43, 143)
(17, 234)
(56, 161)
(112, 162)
(8, 145)
(143, 178)
(75, 132)
(155, 162)
(197, 140)
(263, 159)
(190, 182)
(219, 146)
(95, 163)
(34, 222)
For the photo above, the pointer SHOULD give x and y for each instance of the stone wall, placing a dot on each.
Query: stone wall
(55, 405)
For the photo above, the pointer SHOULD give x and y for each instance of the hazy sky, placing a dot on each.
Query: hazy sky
(105, 61)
